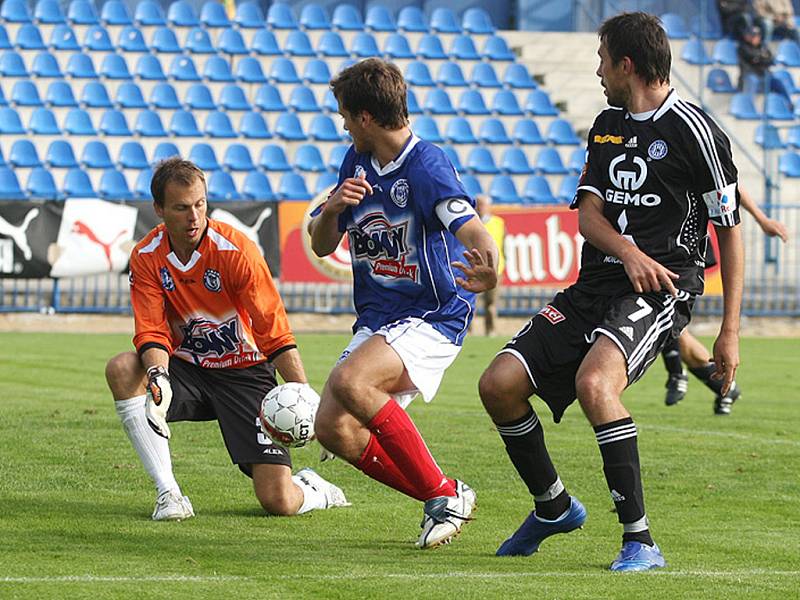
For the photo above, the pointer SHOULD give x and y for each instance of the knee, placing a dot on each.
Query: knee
(591, 388)
(278, 500)
(344, 385)
(497, 392)
(123, 371)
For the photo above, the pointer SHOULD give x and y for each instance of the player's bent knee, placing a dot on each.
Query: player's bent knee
(123, 372)
(344, 385)
(591, 388)
(277, 503)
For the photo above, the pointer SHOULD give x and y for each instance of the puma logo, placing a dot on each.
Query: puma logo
(250, 231)
(19, 233)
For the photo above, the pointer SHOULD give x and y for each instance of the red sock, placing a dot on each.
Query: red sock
(400, 439)
(377, 464)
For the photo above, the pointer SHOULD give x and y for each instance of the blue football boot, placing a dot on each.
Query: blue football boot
(534, 531)
(636, 556)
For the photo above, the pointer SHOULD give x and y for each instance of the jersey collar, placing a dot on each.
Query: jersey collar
(398, 161)
(656, 114)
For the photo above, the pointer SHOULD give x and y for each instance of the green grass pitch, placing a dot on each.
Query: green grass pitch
(722, 493)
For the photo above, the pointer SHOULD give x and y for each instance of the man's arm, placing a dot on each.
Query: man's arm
(645, 274)
(770, 227)
(290, 366)
(726, 347)
(482, 256)
(324, 228)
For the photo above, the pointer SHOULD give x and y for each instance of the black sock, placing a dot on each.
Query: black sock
(524, 440)
(672, 357)
(704, 375)
(619, 449)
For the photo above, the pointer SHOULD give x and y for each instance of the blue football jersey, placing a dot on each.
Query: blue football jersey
(400, 250)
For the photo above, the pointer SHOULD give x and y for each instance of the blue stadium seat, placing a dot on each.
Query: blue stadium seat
(443, 20)
(430, 47)
(256, 186)
(538, 103)
(323, 129)
(114, 123)
(411, 18)
(548, 162)
(81, 12)
(218, 69)
(297, 43)
(95, 156)
(5, 43)
(218, 125)
(788, 53)
(115, 12)
(463, 48)
(505, 103)
(471, 184)
(268, 99)
(560, 132)
(130, 39)
(95, 95)
(778, 107)
(15, 11)
(724, 52)
(518, 77)
(60, 155)
(9, 184)
(477, 22)
(674, 26)
(233, 98)
(496, 48)
(148, 13)
(43, 122)
(45, 66)
(221, 187)
(148, 124)
(743, 107)
(452, 155)
(163, 96)
(164, 150)
(281, 71)
(379, 19)
(183, 124)
(29, 38)
(503, 191)
(48, 12)
(249, 16)
(694, 53)
(347, 17)
(129, 95)
(302, 100)
(273, 158)
(237, 158)
(325, 182)
(77, 184)
(767, 137)
(78, 122)
(25, 93)
(59, 94)
(293, 187)
(481, 161)
(181, 14)
(96, 39)
(114, 186)
(526, 132)
(308, 158)
(427, 129)
(213, 15)
(280, 16)
(483, 75)
(336, 157)
(23, 155)
(115, 67)
(537, 190)
(165, 42)
(313, 16)
(515, 162)
(253, 126)
(789, 164)
(783, 82)
(719, 81)
(63, 38)
(459, 131)
(3, 102)
(316, 71)
(264, 43)
(471, 103)
(417, 74)
(493, 131)
(396, 46)
(204, 157)
(199, 42)
(331, 44)
(141, 188)
(80, 66)
(41, 185)
(437, 102)
(148, 68)
(10, 122)
(248, 70)
(183, 69)
(230, 41)
(131, 156)
(568, 187)
(12, 65)
(577, 159)
(793, 136)
(363, 44)
(411, 100)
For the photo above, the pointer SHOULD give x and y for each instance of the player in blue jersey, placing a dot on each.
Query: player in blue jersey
(408, 221)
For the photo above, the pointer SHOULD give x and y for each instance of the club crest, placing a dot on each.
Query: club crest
(399, 193)
(166, 280)
(212, 280)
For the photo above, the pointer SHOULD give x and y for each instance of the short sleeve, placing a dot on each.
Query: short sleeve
(715, 174)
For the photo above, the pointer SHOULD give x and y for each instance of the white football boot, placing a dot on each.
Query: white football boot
(334, 496)
(444, 516)
(172, 506)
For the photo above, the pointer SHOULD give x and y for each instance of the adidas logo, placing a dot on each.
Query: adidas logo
(616, 496)
(632, 143)
(628, 331)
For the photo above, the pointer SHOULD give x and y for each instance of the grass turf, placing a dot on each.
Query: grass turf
(722, 494)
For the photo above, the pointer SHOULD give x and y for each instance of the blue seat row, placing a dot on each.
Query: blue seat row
(536, 190)
(776, 106)
(492, 131)
(514, 161)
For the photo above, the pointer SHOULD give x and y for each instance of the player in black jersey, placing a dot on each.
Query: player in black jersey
(658, 170)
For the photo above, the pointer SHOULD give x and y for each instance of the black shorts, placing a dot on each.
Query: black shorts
(232, 397)
(555, 341)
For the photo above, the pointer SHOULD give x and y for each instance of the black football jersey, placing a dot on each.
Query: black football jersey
(661, 179)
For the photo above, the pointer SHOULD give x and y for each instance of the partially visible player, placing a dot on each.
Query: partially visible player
(658, 170)
(496, 227)
(210, 331)
(689, 350)
(408, 219)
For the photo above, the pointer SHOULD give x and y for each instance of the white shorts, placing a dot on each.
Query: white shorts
(426, 353)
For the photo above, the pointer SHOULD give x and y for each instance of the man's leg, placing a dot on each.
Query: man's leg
(490, 306)
(677, 382)
(282, 494)
(700, 364)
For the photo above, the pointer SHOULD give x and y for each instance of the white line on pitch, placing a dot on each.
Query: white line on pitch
(731, 434)
(533, 574)
(121, 579)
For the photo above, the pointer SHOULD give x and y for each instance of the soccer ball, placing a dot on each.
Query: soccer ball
(287, 414)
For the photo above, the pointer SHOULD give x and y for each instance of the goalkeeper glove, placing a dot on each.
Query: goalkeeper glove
(159, 397)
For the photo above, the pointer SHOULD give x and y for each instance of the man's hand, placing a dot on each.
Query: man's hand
(159, 397)
(480, 275)
(726, 359)
(646, 275)
(350, 193)
(774, 228)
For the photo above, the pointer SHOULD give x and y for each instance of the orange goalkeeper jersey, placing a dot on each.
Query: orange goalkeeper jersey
(219, 310)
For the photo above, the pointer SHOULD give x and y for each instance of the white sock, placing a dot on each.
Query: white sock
(153, 450)
(312, 497)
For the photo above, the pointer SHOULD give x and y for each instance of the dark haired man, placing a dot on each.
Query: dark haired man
(210, 331)
(407, 217)
(658, 170)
